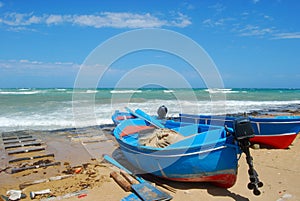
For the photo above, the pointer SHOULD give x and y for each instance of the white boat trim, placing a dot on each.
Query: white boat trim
(274, 122)
(277, 135)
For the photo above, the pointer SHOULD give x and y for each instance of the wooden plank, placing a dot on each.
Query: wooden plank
(26, 151)
(30, 158)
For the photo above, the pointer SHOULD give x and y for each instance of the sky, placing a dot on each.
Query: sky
(253, 43)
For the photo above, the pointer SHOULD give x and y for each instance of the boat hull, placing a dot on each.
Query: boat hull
(273, 132)
(213, 162)
(220, 180)
(279, 141)
(188, 168)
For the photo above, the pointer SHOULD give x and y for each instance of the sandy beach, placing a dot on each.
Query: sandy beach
(70, 71)
(80, 155)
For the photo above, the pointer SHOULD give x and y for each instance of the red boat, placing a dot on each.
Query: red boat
(275, 132)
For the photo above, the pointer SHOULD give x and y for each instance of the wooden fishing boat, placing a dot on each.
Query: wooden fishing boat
(202, 153)
(276, 132)
(205, 154)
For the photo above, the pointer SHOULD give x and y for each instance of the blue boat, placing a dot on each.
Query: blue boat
(276, 132)
(197, 153)
(205, 153)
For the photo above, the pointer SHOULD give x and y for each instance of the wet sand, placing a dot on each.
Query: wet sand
(80, 151)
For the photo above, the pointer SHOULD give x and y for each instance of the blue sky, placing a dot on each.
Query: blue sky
(254, 43)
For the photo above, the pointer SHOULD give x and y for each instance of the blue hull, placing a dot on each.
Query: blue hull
(261, 126)
(207, 156)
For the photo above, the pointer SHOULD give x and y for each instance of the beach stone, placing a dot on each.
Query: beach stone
(287, 196)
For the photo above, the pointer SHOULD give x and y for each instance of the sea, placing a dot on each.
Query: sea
(58, 108)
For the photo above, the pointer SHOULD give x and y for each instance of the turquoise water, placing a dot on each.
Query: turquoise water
(59, 108)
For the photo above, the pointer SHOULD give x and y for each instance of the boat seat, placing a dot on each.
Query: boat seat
(214, 136)
(188, 130)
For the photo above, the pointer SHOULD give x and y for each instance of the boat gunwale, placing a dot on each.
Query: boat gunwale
(221, 140)
(252, 119)
(141, 149)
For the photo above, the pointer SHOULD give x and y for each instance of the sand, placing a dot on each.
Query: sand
(277, 169)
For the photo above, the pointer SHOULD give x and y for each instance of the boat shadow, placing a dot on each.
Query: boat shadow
(184, 186)
(227, 193)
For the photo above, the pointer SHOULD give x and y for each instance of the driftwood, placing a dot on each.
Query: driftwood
(129, 178)
(121, 181)
(16, 170)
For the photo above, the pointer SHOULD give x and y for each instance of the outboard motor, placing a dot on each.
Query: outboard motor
(162, 112)
(243, 131)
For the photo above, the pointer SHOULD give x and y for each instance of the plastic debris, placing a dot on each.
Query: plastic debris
(82, 195)
(14, 194)
(34, 193)
(78, 170)
(73, 194)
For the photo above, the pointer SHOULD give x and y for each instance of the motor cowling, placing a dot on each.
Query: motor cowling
(162, 112)
(243, 129)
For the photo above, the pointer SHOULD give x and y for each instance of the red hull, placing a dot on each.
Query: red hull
(221, 180)
(279, 141)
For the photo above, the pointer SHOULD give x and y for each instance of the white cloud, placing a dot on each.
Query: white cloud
(24, 64)
(209, 22)
(267, 17)
(24, 61)
(217, 22)
(262, 25)
(218, 7)
(181, 21)
(267, 32)
(253, 30)
(103, 19)
(188, 6)
(4, 66)
(20, 28)
(118, 20)
(20, 19)
(54, 19)
(291, 35)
